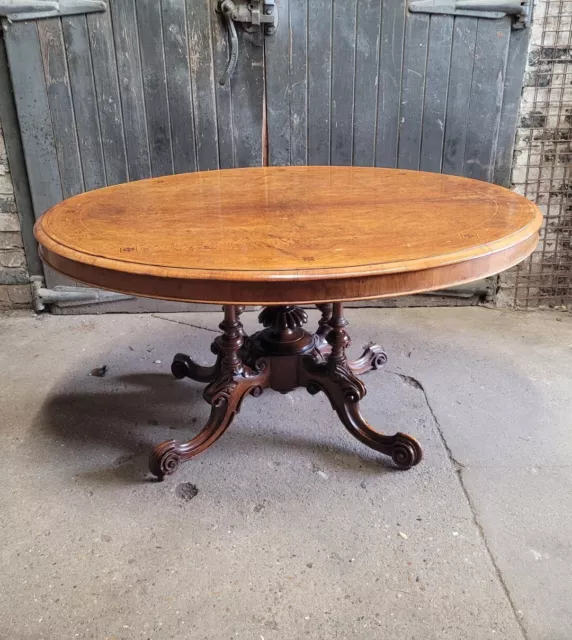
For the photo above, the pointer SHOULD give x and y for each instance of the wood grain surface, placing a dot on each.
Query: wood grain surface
(288, 234)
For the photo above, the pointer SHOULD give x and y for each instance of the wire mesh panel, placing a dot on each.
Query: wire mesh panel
(543, 160)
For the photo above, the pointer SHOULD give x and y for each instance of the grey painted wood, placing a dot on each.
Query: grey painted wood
(26, 67)
(31, 96)
(61, 106)
(223, 93)
(436, 86)
(278, 91)
(17, 162)
(343, 74)
(158, 117)
(247, 101)
(108, 98)
(459, 95)
(390, 76)
(486, 98)
(413, 91)
(514, 76)
(319, 81)
(366, 81)
(202, 75)
(347, 81)
(179, 85)
(298, 28)
(82, 86)
(124, 20)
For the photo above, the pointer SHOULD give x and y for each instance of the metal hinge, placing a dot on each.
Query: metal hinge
(520, 9)
(18, 10)
(255, 16)
(62, 296)
(482, 289)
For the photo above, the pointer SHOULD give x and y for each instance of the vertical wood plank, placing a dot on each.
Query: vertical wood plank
(514, 76)
(179, 85)
(298, 28)
(319, 81)
(486, 97)
(108, 98)
(61, 106)
(17, 161)
(413, 90)
(459, 95)
(366, 81)
(30, 93)
(390, 76)
(223, 93)
(124, 20)
(31, 97)
(202, 77)
(158, 117)
(247, 101)
(277, 57)
(436, 85)
(82, 85)
(343, 74)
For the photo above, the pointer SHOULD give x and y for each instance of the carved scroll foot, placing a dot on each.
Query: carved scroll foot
(338, 380)
(229, 382)
(404, 450)
(185, 367)
(372, 358)
(344, 391)
(225, 394)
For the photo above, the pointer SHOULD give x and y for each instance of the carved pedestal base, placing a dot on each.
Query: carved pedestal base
(282, 357)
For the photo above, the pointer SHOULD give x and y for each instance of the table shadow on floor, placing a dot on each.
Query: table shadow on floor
(132, 413)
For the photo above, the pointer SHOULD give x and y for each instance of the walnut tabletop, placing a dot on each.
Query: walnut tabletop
(280, 237)
(287, 235)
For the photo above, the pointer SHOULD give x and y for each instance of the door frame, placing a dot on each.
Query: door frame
(17, 165)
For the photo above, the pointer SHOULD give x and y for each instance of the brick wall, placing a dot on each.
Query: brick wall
(14, 279)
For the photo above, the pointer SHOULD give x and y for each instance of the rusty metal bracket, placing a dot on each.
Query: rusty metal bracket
(62, 296)
(492, 9)
(254, 15)
(18, 10)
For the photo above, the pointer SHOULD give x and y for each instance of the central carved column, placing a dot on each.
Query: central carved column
(283, 333)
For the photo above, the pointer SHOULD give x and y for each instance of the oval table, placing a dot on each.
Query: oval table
(282, 237)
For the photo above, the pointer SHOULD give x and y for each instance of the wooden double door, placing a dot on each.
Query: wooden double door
(133, 91)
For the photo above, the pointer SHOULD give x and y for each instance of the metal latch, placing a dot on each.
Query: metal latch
(254, 15)
(17, 10)
(520, 9)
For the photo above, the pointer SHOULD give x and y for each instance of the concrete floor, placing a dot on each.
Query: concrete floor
(297, 530)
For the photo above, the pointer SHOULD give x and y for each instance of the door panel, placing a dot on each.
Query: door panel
(372, 84)
(436, 86)
(319, 84)
(459, 95)
(377, 85)
(88, 119)
(368, 25)
(130, 93)
(486, 98)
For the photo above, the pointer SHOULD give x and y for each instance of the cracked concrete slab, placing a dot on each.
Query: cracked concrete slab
(527, 516)
(287, 527)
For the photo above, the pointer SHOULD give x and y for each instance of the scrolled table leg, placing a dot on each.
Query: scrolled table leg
(338, 380)
(166, 457)
(372, 358)
(184, 366)
(232, 381)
